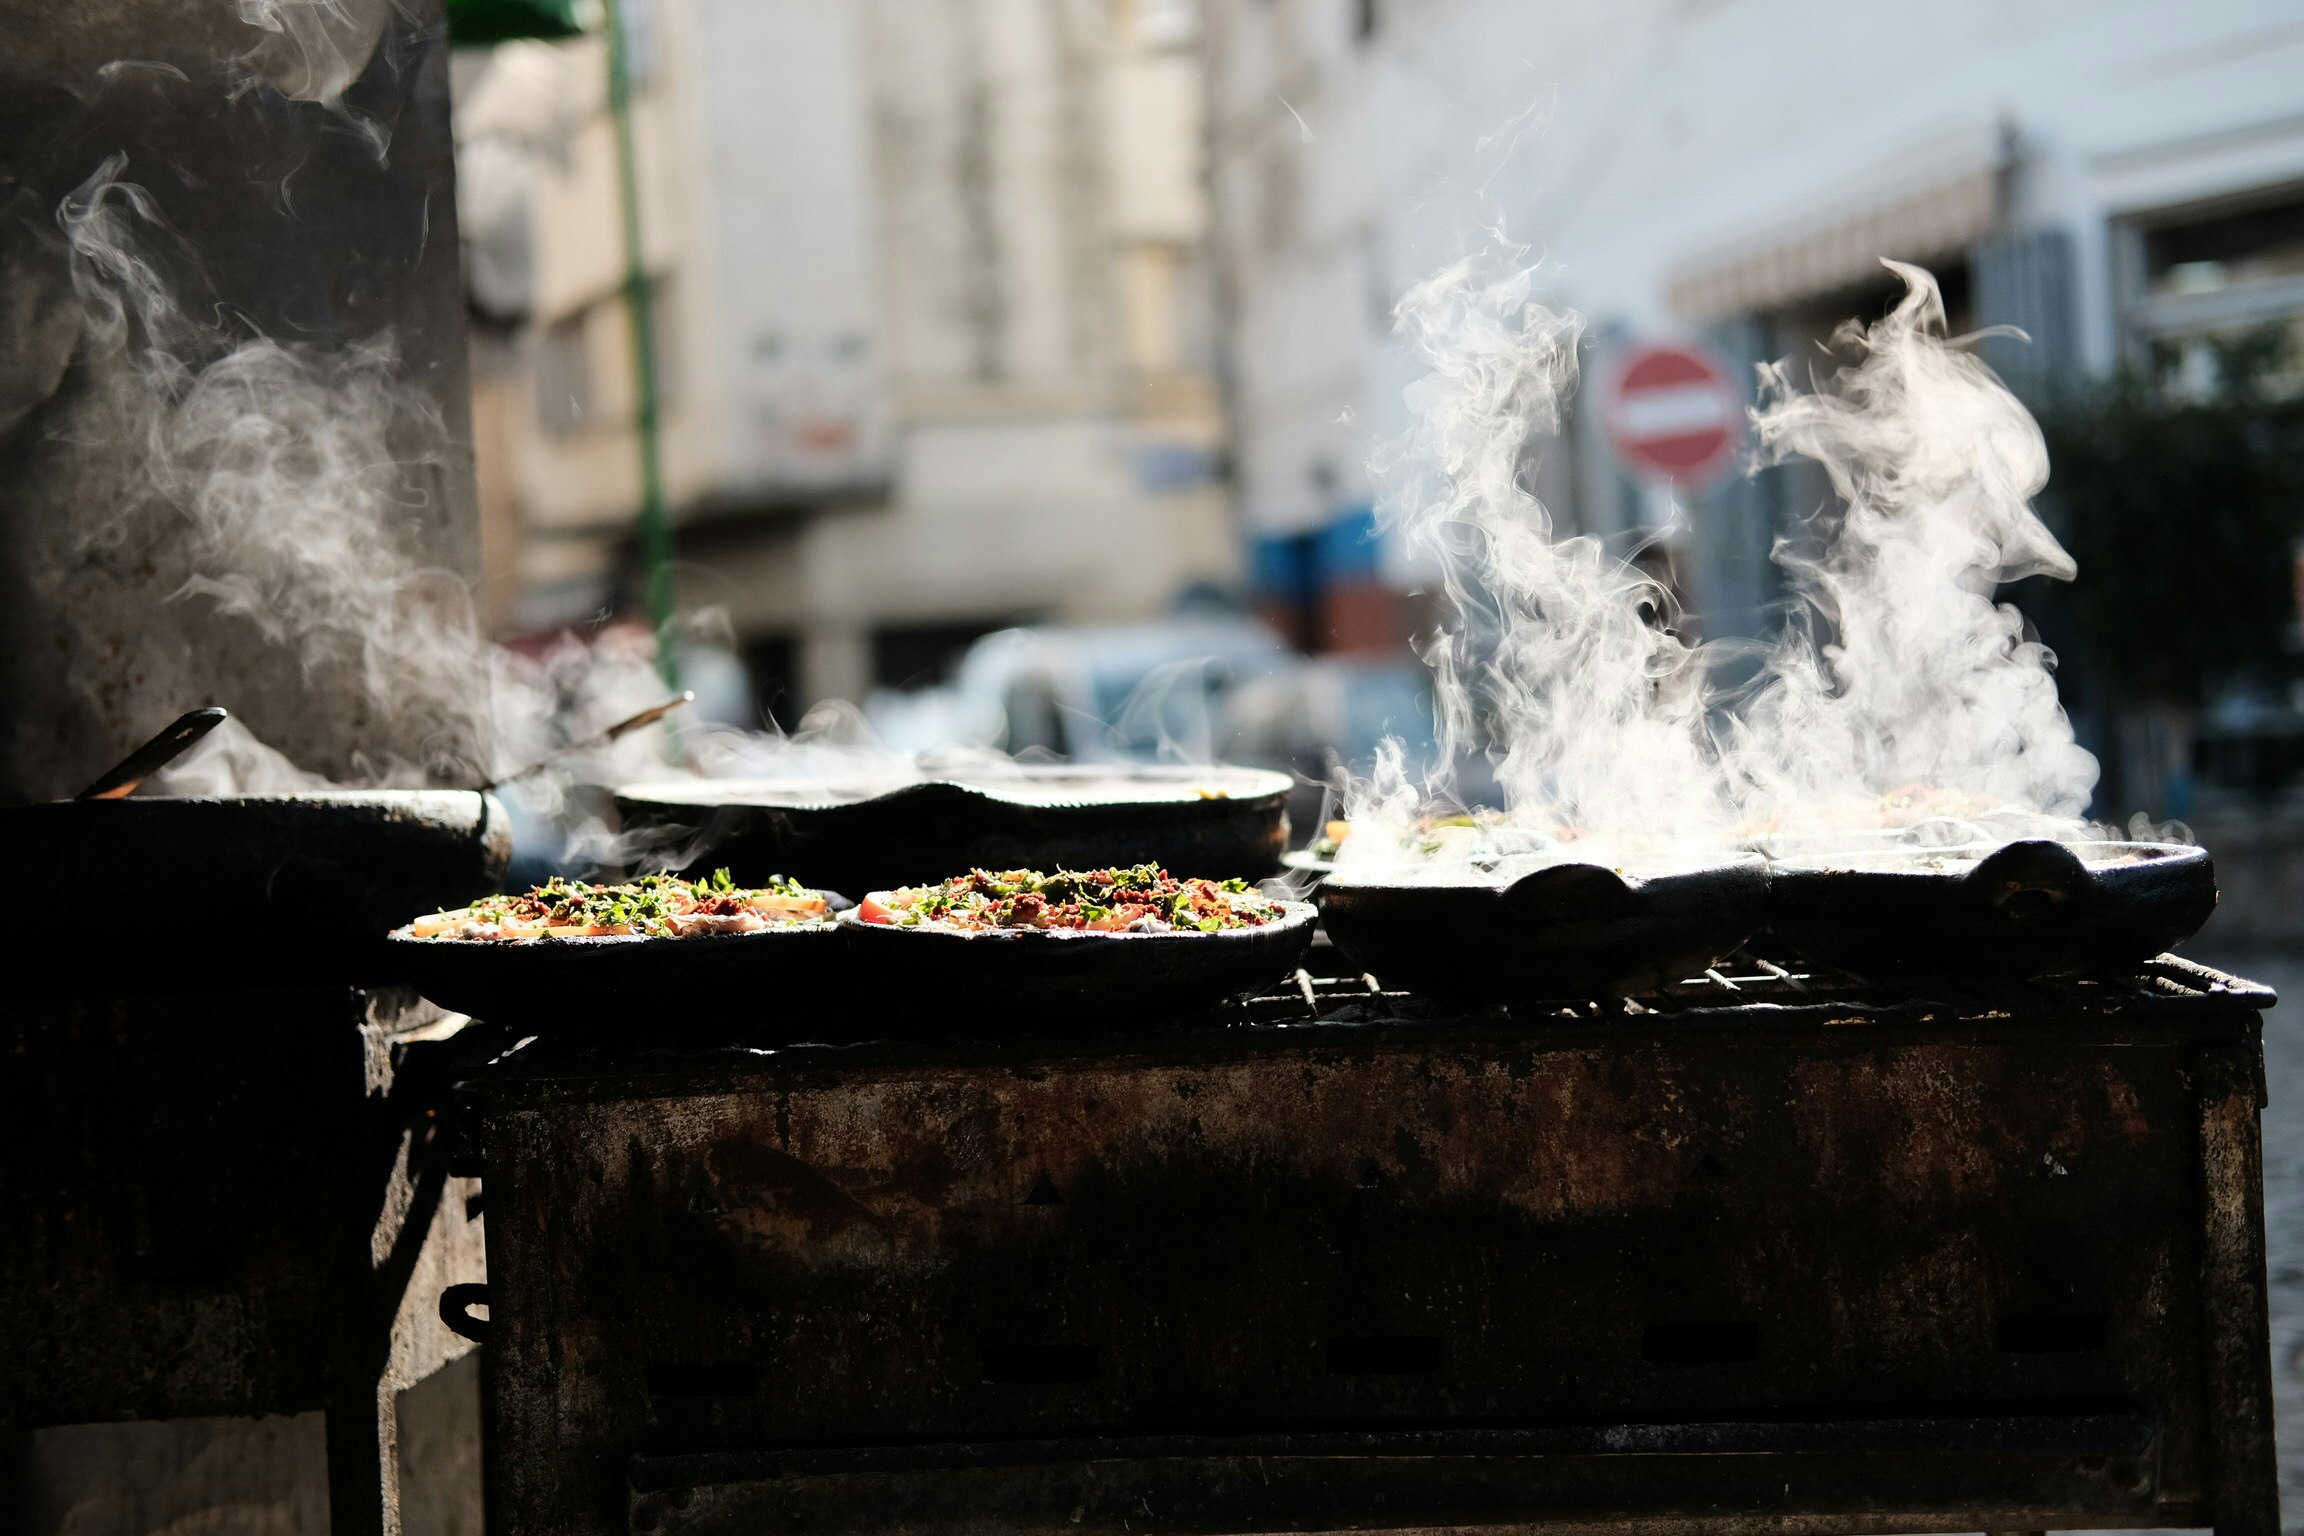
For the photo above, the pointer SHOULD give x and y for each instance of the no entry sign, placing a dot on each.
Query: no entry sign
(1671, 413)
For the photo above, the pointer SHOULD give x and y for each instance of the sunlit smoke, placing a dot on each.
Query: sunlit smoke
(1903, 692)
(231, 761)
(1559, 657)
(313, 50)
(1902, 700)
(288, 466)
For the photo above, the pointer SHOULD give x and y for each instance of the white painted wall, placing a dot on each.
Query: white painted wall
(1659, 130)
(790, 258)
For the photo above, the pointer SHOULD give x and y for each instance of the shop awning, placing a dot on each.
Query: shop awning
(1942, 196)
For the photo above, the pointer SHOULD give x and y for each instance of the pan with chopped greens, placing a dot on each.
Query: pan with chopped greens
(573, 947)
(1065, 950)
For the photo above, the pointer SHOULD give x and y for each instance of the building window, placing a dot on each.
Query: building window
(564, 376)
(2218, 293)
(1165, 25)
(640, 40)
(920, 655)
(1366, 18)
(772, 664)
(584, 372)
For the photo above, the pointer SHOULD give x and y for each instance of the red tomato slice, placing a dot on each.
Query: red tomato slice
(870, 911)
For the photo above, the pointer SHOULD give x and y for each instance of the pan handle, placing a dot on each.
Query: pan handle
(2030, 880)
(456, 1304)
(1570, 893)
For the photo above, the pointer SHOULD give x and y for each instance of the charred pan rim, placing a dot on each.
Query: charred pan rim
(1565, 930)
(1271, 785)
(314, 879)
(2156, 859)
(1660, 881)
(1294, 915)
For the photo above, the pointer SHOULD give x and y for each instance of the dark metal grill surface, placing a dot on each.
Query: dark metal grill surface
(1769, 1249)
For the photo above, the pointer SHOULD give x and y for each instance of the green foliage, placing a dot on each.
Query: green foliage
(2184, 516)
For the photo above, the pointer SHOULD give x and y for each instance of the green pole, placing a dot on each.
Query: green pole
(655, 524)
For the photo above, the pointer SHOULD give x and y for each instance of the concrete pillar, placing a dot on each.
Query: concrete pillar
(230, 184)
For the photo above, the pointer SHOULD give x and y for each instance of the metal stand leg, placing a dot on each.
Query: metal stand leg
(368, 1355)
(363, 1459)
(2243, 1476)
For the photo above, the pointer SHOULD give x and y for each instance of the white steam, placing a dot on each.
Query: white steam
(1561, 654)
(313, 50)
(1901, 700)
(286, 464)
(1911, 692)
(230, 760)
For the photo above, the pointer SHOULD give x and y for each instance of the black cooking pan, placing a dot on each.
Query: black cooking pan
(767, 988)
(1562, 931)
(1220, 823)
(241, 891)
(927, 981)
(2024, 909)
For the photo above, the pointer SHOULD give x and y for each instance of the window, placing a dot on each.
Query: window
(571, 394)
(917, 655)
(2218, 292)
(772, 663)
(564, 376)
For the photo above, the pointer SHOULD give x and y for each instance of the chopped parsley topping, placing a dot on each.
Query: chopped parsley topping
(654, 906)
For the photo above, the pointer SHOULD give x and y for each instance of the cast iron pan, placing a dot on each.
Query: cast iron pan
(2027, 909)
(761, 987)
(1039, 818)
(244, 891)
(1028, 980)
(1564, 931)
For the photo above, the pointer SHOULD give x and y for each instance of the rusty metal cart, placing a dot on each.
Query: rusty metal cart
(231, 1202)
(1765, 1251)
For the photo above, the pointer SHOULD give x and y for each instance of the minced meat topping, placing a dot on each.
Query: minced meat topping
(1144, 899)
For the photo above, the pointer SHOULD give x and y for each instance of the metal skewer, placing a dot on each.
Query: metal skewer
(123, 778)
(648, 716)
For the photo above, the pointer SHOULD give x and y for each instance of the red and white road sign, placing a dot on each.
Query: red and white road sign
(1671, 412)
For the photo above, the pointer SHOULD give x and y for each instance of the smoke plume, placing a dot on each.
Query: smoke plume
(1903, 691)
(1901, 700)
(1561, 657)
(283, 462)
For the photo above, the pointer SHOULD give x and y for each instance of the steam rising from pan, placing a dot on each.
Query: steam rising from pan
(1900, 669)
(1900, 694)
(1561, 654)
(1901, 703)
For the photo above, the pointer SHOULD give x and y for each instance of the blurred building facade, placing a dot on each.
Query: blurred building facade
(933, 342)
(2125, 182)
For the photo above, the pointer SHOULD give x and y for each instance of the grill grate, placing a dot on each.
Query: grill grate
(1750, 981)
